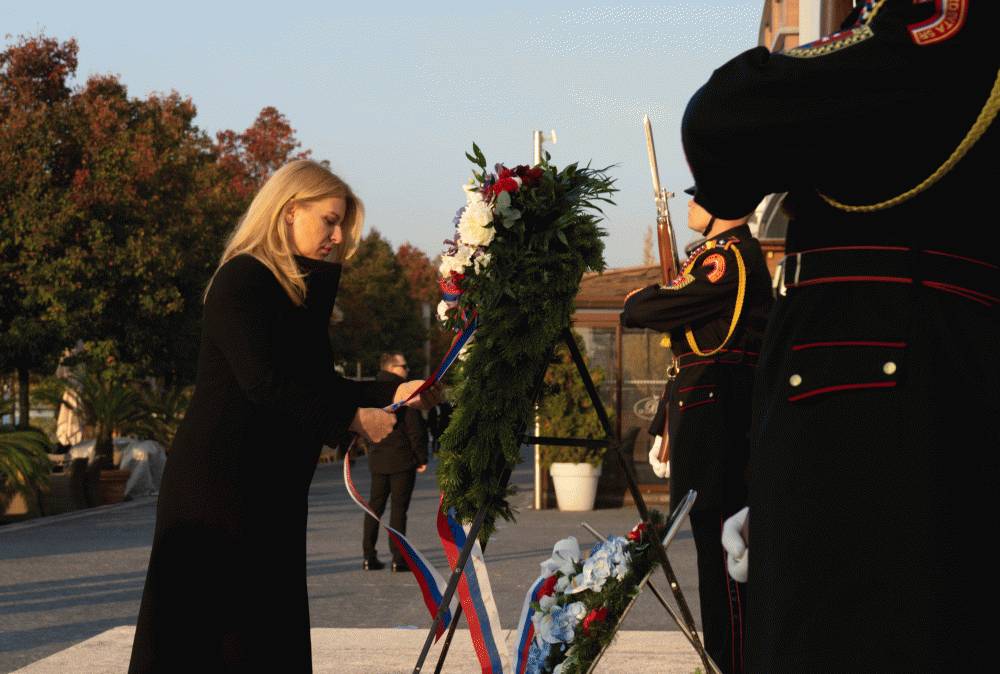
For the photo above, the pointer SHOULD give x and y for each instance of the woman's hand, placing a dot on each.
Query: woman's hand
(425, 401)
(372, 423)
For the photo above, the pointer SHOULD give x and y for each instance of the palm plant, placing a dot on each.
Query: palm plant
(109, 404)
(24, 460)
(164, 407)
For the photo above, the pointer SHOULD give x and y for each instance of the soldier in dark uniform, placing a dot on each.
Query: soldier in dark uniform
(715, 311)
(875, 443)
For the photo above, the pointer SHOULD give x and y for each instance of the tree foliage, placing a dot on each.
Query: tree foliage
(566, 410)
(113, 211)
(379, 311)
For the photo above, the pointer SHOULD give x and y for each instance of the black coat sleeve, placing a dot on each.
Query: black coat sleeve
(239, 317)
(700, 295)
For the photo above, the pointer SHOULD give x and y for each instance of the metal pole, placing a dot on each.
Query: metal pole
(538, 462)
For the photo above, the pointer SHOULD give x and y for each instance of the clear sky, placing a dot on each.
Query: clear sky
(393, 93)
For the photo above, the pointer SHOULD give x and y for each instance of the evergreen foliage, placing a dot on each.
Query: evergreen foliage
(524, 299)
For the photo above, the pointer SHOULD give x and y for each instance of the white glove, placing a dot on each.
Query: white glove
(661, 469)
(737, 550)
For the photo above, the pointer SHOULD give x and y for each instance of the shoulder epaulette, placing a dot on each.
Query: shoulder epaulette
(831, 43)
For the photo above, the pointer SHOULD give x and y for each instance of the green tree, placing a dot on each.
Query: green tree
(422, 281)
(379, 313)
(36, 157)
(566, 410)
(113, 213)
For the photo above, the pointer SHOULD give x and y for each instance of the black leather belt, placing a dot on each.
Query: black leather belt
(972, 279)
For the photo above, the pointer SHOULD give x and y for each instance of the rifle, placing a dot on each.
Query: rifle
(667, 244)
(669, 264)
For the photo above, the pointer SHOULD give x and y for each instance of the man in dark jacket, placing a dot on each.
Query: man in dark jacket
(715, 311)
(394, 464)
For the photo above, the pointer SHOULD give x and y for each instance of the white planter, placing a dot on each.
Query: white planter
(576, 485)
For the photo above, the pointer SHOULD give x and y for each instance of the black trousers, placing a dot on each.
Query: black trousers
(723, 600)
(400, 487)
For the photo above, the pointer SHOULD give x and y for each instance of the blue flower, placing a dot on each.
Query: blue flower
(537, 655)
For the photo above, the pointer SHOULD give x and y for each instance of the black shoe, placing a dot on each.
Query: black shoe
(372, 564)
(400, 567)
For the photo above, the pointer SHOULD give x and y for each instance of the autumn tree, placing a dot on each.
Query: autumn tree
(36, 167)
(248, 158)
(422, 281)
(379, 312)
(113, 213)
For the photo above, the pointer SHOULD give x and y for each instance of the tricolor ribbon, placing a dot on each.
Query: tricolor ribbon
(432, 585)
(457, 344)
(526, 626)
(476, 596)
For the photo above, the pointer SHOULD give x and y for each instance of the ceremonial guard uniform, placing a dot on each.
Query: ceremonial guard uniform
(875, 444)
(715, 311)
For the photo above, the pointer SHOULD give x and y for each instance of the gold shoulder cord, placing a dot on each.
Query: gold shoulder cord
(740, 297)
(986, 116)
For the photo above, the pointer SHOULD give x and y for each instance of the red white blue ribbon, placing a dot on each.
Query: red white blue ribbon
(457, 344)
(476, 595)
(432, 585)
(525, 625)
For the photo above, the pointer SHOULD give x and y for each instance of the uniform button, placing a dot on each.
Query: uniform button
(711, 395)
(795, 380)
(889, 368)
(680, 404)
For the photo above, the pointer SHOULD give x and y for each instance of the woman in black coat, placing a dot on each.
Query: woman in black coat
(226, 585)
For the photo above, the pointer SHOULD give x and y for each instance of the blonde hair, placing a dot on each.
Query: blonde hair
(261, 231)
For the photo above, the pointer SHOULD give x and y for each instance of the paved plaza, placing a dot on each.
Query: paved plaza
(70, 586)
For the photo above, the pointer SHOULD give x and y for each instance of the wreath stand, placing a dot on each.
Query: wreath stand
(685, 621)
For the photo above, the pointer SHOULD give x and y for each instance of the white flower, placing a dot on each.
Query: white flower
(476, 224)
(562, 584)
(559, 668)
(592, 577)
(608, 559)
(448, 265)
(618, 556)
(457, 262)
(575, 612)
(546, 602)
(558, 625)
(442, 311)
(472, 192)
(480, 261)
(565, 555)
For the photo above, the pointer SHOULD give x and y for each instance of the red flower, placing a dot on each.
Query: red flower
(529, 175)
(504, 184)
(451, 285)
(597, 615)
(548, 587)
(637, 531)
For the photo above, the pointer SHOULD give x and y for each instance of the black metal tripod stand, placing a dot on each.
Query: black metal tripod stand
(612, 443)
